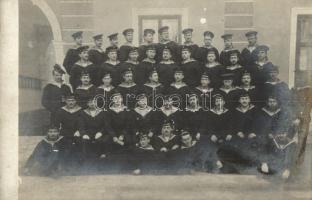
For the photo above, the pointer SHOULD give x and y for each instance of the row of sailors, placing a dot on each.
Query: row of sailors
(192, 68)
(98, 55)
(179, 91)
(248, 131)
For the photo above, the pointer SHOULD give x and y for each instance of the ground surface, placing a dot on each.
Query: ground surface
(147, 187)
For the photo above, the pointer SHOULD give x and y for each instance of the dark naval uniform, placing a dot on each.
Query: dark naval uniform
(214, 73)
(192, 72)
(103, 95)
(179, 91)
(71, 57)
(201, 53)
(83, 94)
(112, 69)
(77, 70)
(97, 56)
(237, 72)
(174, 49)
(167, 115)
(153, 93)
(166, 72)
(230, 97)
(143, 70)
(249, 56)
(129, 92)
(124, 52)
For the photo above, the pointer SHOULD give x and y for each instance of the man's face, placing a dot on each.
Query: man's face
(219, 102)
(128, 77)
(228, 82)
(85, 79)
(262, 54)
(244, 101)
(91, 104)
(272, 103)
(98, 42)
(114, 42)
(134, 56)
(151, 54)
(211, 57)
(71, 103)
(107, 80)
(58, 77)
(166, 130)
(246, 79)
(166, 55)
(186, 55)
(187, 140)
(144, 141)
(53, 133)
(112, 55)
(233, 59)
(167, 103)
(228, 43)
(204, 81)
(252, 40)
(178, 76)
(193, 101)
(165, 35)
(129, 37)
(84, 55)
(154, 77)
(117, 99)
(188, 37)
(149, 37)
(273, 75)
(78, 41)
(207, 40)
(142, 103)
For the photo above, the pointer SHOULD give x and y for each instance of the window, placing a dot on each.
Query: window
(303, 64)
(157, 21)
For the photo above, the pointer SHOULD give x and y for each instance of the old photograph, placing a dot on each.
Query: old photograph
(164, 99)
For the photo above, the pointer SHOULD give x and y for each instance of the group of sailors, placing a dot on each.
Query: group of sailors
(168, 106)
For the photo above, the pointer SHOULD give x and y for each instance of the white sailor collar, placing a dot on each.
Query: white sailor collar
(188, 61)
(208, 47)
(192, 109)
(152, 85)
(99, 49)
(251, 106)
(125, 85)
(166, 62)
(107, 89)
(251, 48)
(84, 88)
(131, 62)
(83, 64)
(118, 109)
(215, 64)
(128, 44)
(270, 112)
(166, 111)
(188, 43)
(51, 142)
(233, 67)
(185, 147)
(111, 63)
(178, 86)
(147, 110)
(273, 82)
(150, 147)
(59, 85)
(225, 110)
(149, 61)
(167, 139)
(165, 42)
(75, 109)
(228, 90)
(96, 113)
(247, 89)
(203, 90)
(262, 63)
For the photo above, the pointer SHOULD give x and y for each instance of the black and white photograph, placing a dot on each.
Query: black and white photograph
(162, 99)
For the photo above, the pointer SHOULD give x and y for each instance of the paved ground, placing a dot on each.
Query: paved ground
(197, 186)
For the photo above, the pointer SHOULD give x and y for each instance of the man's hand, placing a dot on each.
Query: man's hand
(150, 134)
(85, 137)
(121, 138)
(228, 137)
(252, 135)
(240, 134)
(115, 139)
(214, 138)
(175, 147)
(197, 136)
(98, 135)
(77, 134)
(164, 149)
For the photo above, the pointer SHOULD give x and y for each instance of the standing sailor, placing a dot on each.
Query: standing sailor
(113, 40)
(188, 34)
(201, 54)
(146, 65)
(132, 63)
(72, 55)
(84, 90)
(235, 68)
(104, 92)
(166, 68)
(248, 55)
(125, 48)
(228, 45)
(96, 54)
(148, 37)
(165, 42)
(213, 68)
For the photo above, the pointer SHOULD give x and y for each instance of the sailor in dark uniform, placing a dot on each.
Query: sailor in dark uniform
(179, 89)
(235, 68)
(188, 34)
(83, 65)
(213, 68)
(96, 54)
(274, 86)
(128, 89)
(131, 63)
(148, 40)
(154, 90)
(166, 67)
(85, 90)
(260, 69)
(165, 42)
(111, 66)
(146, 65)
(72, 55)
(104, 92)
(53, 97)
(48, 156)
(93, 132)
(167, 140)
(201, 54)
(192, 69)
(250, 89)
(125, 48)
(204, 92)
(113, 40)
(248, 55)
(117, 124)
(228, 45)
(229, 91)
